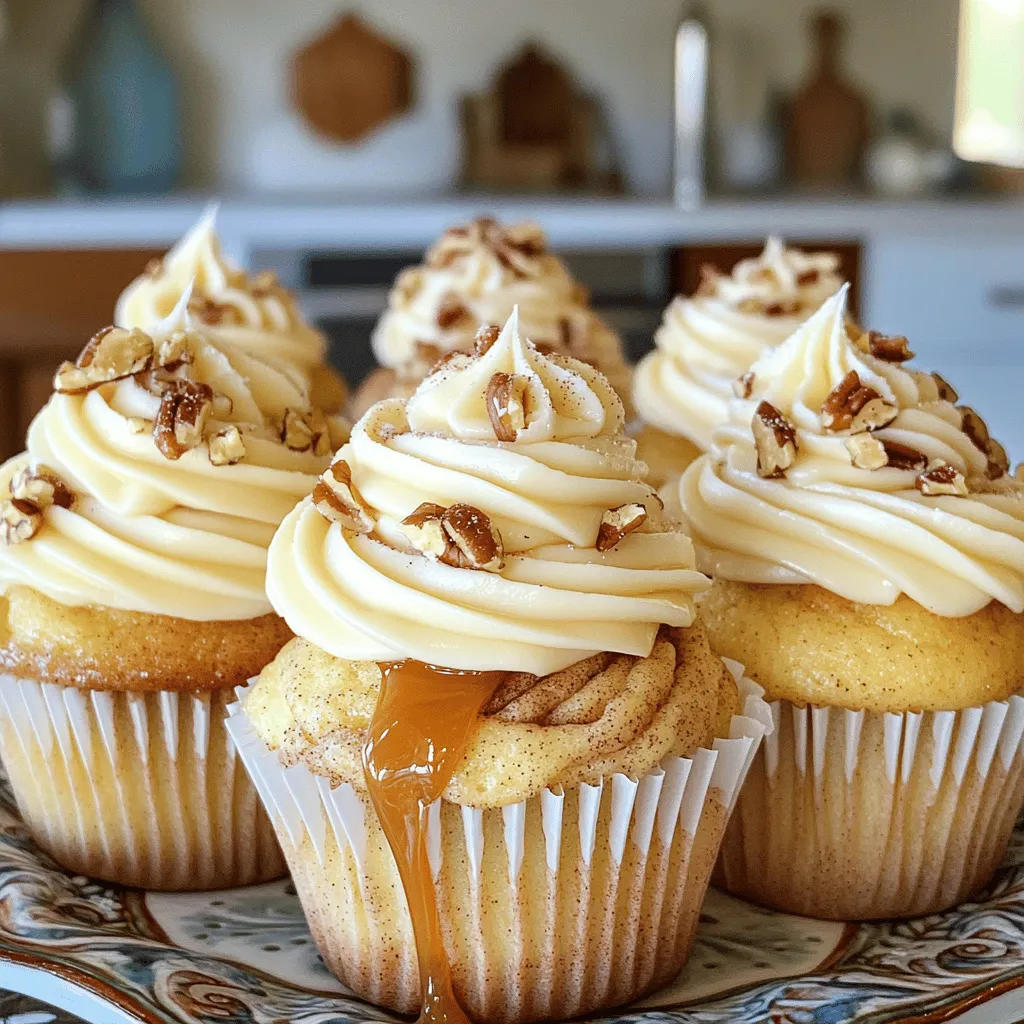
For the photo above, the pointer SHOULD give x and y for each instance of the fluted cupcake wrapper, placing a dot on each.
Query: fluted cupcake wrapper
(143, 789)
(858, 815)
(550, 907)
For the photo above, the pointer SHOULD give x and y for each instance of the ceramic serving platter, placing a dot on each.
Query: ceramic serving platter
(245, 957)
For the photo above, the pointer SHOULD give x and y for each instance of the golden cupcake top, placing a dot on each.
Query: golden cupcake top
(475, 274)
(707, 340)
(252, 314)
(499, 519)
(156, 474)
(841, 466)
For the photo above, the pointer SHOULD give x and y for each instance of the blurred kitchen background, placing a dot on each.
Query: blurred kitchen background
(648, 138)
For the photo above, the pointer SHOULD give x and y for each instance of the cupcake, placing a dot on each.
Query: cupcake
(526, 832)
(134, 540)
(474, 275)
(251, 318)
(682, 389)
(868, 554)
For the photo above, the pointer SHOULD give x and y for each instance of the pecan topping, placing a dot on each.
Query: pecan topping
(619, 522)
(853, 407)
(41, 487)
(175, 351)
(112, 354)
(941, 478)
(902, 456)
(743, 387)
(505, 399)
(338, 500)
(780, 307)
(892, 349)
(946, 391)
(808, 277)
(866, 451)
(264, 284)
(475, 543)
(227, 447)
(184, 410)
(974, 427)
(998, 461)
(451, 312)
(209, 311)
(775, 440)
(485, 339)
(302, 432)
(869, 452)
(19, 521)
(424, 530)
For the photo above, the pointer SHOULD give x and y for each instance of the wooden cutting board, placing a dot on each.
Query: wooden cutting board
(350, 80)
(827, 128)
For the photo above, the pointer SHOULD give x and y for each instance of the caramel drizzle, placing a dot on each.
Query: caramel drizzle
(420, 730)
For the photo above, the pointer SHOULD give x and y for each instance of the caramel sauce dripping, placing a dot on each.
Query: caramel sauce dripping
(419, 732)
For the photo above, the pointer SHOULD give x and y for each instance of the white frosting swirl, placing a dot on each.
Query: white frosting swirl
(252, 315)
(709, 339)
(476, 275)
(557, 599)
(867, 535)
(185, 538)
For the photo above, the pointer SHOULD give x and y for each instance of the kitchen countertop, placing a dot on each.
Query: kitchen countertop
(275, 222)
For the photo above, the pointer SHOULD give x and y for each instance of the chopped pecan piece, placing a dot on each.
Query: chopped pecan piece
(227, 447)
(975, 428)
(808, 277)
(853, 407)
(184, 410)
(424, 530)
(743, 387)
(485, 339)
(174, 351)
(338, 500)
(775, 441)
(619, 522)
(941, 478)
(893, 349)
(451, 312)
(505, 399)
(112, 354)
(19, 521)
(476, 544)
(780, 307)
(309, 431)
(946, 391)
(41, 487)
(902, 456)
(866, 451)
(211, 312)
(998, 461)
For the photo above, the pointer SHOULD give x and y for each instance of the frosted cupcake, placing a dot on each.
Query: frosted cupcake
(868, 553)
(474, 275)
(575, 766)
(708, 340)
(251, 318)
(134, 541)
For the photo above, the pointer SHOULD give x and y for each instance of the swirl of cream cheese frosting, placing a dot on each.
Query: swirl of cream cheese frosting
(475, 274)
(146, 533)
(707, 340)
(252, 315)
(868, 535)
(556, 598)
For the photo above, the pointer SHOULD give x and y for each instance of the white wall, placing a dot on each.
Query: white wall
(232, 58)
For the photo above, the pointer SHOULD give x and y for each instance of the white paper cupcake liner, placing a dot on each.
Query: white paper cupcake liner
(859, 815)
(143, 789)
(551, 907)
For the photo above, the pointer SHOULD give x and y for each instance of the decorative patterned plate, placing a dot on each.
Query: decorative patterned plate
(246, 957)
